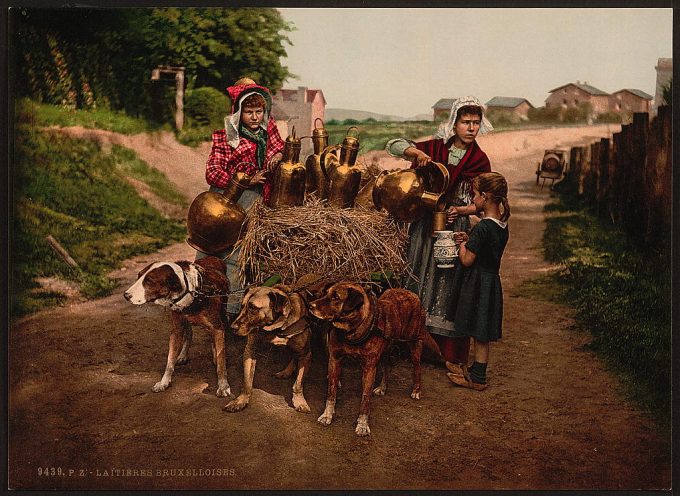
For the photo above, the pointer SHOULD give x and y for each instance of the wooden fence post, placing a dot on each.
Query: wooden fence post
(657, 178)
(636, 221)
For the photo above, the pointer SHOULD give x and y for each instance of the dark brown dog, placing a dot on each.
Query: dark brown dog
(197, 294)
(277, 316)
(363, 327)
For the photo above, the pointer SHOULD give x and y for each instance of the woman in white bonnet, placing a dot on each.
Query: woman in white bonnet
(454, 145)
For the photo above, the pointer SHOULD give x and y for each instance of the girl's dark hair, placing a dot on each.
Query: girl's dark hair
(469, 109)
(495, 186)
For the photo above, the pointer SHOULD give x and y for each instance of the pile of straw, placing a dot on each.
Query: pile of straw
(346, 244)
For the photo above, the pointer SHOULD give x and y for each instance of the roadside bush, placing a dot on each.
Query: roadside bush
(622, 295)
(610, 118)
(544, 115)
(206, 107)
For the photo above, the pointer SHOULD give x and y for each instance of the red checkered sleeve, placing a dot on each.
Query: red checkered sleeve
(225, 160)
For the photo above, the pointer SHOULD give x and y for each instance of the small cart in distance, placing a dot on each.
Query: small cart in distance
(552, 166)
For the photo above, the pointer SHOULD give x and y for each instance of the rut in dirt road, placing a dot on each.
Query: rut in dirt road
(80, 395)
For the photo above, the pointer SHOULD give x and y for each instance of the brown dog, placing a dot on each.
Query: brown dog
(277, 316)
(363, 326)
(197, 294)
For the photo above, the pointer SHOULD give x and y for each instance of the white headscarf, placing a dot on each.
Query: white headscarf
(231, 122)
(447, 130)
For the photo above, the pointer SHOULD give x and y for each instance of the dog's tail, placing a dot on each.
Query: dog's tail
(431, 344)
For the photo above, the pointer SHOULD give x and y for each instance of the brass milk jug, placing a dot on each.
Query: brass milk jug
(288, 183)
(316, 180)
(214, 220)
(343, 175)
(408, 193)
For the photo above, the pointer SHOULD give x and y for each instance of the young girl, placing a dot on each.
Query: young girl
(250, 142)
(477, 300)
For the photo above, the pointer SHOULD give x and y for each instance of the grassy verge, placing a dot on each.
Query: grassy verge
(72, 190)
(375, 135)
(622, 295)
(42, 114)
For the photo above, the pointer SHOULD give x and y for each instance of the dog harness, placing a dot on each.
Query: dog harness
(189, 281)
(295, 329)
(371, 330)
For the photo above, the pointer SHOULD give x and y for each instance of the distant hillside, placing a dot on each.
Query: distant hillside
(360, 115)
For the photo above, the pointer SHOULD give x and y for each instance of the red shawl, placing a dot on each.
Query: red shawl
(473, 163)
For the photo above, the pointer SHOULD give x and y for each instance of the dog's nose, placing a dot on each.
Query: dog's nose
(127, 296)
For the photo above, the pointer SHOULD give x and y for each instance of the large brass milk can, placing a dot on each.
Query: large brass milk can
(338, 166)
(407, 194)
(316, 180)
(288, 183)
(214, 219)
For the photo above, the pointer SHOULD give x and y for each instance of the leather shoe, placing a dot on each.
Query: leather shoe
(456, 368)
(462, 381)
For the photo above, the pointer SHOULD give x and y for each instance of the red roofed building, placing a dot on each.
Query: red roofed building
(302, 106)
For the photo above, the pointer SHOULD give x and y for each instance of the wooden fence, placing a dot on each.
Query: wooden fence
(628, 177)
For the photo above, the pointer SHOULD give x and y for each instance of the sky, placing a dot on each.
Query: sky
(401, 61)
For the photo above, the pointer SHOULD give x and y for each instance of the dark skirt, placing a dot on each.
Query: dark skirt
(477, 304)
(435, 287)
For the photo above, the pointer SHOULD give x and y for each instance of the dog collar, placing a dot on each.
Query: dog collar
(371, 330)
(189, 281)
(295, 329)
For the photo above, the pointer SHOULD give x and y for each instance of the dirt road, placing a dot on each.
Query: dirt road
(82, 414)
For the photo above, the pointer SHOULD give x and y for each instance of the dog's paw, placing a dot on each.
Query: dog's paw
(160, 386)
(236, 405)
(300, 404)
(380, 391)
(223, 391)
(362, 426)
(325, 419)
(415, 395)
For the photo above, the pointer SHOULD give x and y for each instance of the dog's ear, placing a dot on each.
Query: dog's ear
(281, 307)
(144, 270)
(246, 297)
(355, 298)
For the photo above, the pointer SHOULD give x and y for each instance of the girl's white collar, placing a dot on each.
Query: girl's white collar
(500, 223)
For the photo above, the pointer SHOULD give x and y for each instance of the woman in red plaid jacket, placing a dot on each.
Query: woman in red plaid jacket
(250, 142)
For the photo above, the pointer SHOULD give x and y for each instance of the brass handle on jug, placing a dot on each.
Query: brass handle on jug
(322, 158)
(318, 119)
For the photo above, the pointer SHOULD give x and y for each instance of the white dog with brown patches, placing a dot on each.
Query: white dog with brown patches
(197, 294)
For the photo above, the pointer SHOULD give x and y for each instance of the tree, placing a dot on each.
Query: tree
(667, 93)
(82, 57)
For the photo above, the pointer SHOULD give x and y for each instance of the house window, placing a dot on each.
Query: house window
(564, 101)
(575, 102)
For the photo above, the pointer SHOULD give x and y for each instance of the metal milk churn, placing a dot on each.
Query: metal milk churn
(316, 180)
(343, 175)
(288, 183)
(214, 220)
(407, 194)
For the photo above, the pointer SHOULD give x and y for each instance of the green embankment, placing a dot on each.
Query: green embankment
(622, 295)
(73, 190)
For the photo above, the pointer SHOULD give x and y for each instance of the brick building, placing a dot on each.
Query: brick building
(574, 94)
(442, 108)
(664, 73)
(630, 100)
(514, 108)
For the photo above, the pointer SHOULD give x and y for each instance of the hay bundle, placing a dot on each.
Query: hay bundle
(314, 238)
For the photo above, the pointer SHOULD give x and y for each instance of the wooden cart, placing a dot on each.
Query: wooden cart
(552, 166)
